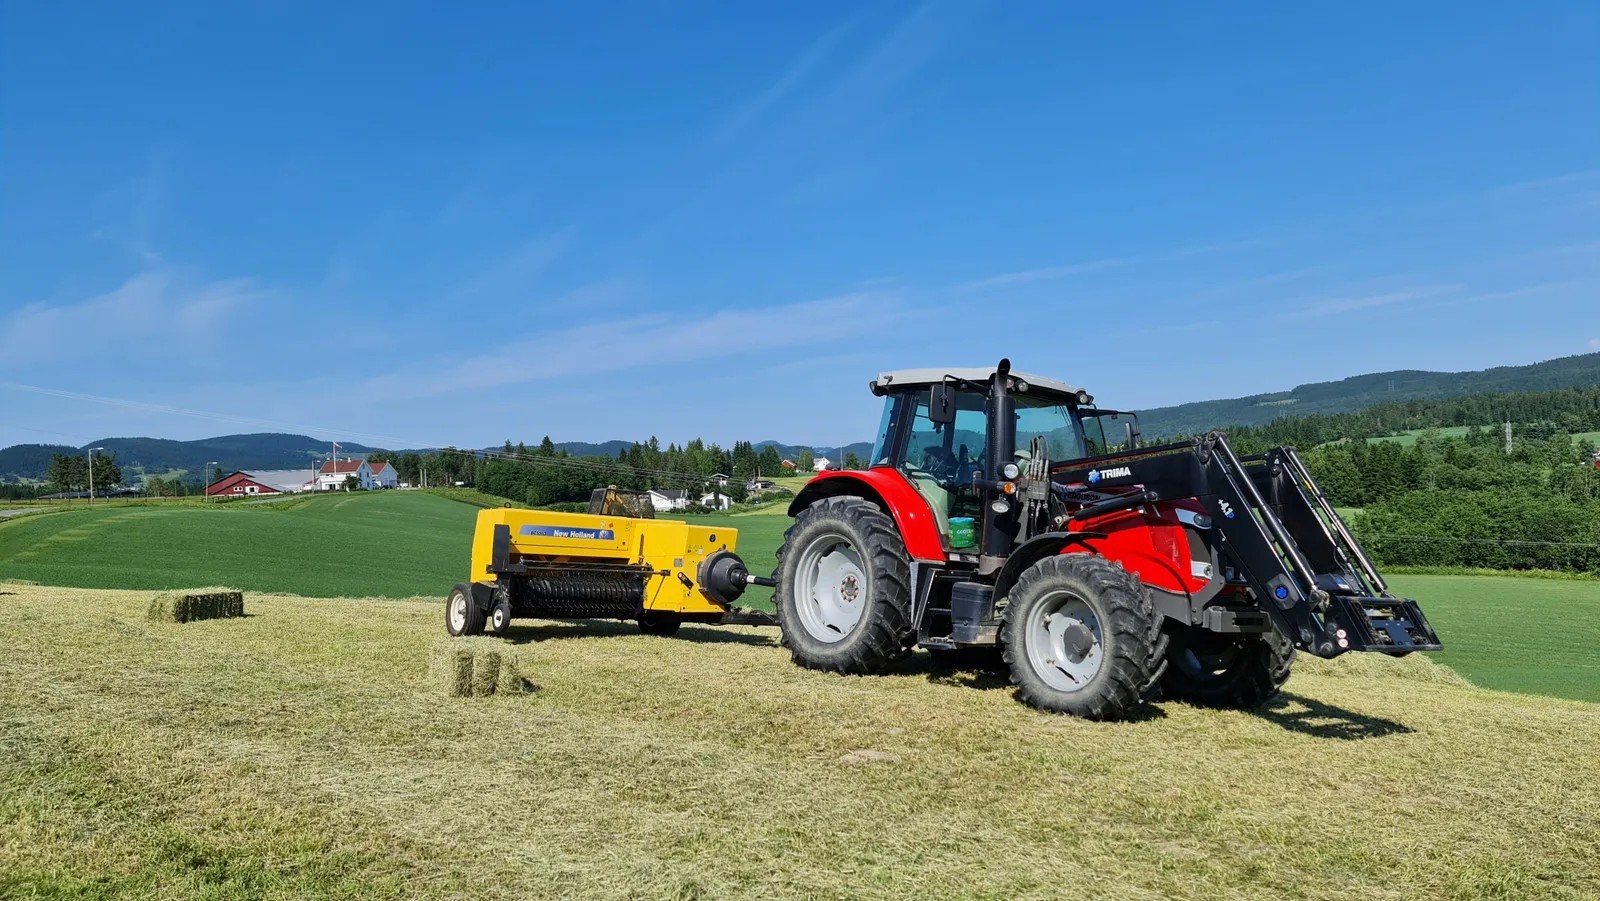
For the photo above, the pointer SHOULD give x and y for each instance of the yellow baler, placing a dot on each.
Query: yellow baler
(662, 573)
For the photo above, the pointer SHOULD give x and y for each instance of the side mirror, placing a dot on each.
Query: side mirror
(1133, 435)
(942, 404)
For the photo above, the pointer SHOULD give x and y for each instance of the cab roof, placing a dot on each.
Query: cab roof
(919, 378)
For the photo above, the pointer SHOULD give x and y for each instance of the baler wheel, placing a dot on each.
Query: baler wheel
(499, 622)
(662, 624)
(844, 588)
(461, 615)
(1077, 635)
(1234, 672)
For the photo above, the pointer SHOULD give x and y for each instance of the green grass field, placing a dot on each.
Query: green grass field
(1406, 439)
(1517, 634)
(378, 544)
(296, 753)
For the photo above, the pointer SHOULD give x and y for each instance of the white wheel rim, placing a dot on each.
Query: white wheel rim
(501, 616)
(458, 612)
(831, 588)
(1065, 642)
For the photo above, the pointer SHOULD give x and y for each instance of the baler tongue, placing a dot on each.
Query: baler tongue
(1388, 625)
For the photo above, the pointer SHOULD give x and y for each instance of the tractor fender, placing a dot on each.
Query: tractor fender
(890, 491)
(1045, 544)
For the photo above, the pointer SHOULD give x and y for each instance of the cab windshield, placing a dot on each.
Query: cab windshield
(1051, 420)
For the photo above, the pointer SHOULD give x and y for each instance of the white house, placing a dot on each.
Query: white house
(332, 475)
(721, 479)
(669, 499)
(383, 476)
(716, 501)
(821, 464)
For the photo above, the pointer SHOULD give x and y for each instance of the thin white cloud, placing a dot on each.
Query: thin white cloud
(1339, 305)
(141, 318)
(649, 341)
(1594, 343)
(1045, 274)
(1582, 179)
(799, 71)
(516, 270)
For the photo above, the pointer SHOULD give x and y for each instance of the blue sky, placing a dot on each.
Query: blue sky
(430, 224)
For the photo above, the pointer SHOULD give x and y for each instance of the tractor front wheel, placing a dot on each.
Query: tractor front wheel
(1210, 669)
(1078, 636)
(844, 588)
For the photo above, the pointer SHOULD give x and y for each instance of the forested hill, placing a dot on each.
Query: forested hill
(1361, 391)
(265, 450)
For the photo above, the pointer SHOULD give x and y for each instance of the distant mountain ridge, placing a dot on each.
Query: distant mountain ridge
(1361, 391)
(157, 456)
(272, 450)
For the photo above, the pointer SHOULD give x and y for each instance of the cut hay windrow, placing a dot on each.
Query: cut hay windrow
(1415, 669)
(476, 668)
(200, 603)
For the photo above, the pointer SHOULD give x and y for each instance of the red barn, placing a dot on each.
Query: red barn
(239, 484)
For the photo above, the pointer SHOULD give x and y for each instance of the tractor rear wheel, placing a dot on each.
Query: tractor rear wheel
(844, 588)
(1211, 669)
(461, 615)
(1078, 636)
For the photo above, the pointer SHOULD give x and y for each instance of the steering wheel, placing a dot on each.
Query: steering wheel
(940, 463)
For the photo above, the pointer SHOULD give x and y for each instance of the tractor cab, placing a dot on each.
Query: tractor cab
(958, 436)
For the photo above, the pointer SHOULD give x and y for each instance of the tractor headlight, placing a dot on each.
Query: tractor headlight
(1010, 471)
(1000, 505)
(1202, 521)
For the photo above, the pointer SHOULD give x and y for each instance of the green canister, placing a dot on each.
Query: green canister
(963, 533)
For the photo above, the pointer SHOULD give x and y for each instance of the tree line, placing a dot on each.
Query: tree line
(1460, 500)
(544, 474)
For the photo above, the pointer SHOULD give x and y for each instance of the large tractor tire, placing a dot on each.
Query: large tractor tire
(1211, 669)
(461, 615)
(844, 588)
(1080, 637)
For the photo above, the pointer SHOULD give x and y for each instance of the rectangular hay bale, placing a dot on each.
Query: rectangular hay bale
(475, 668)
(201, 603)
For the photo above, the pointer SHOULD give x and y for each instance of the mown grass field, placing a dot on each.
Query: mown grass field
(377, 544)
(1516, 634)
(295, 754)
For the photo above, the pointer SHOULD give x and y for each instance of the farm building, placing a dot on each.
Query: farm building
(669, 499)
(239, 484)
(286, 480)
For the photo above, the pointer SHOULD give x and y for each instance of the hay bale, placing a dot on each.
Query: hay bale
(476, 668)
(198, 603)
(164, 609)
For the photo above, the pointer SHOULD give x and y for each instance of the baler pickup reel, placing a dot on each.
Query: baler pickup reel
(1280, 538)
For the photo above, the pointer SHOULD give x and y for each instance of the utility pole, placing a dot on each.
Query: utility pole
(91, 471)
(1508, 437)
(207, 479)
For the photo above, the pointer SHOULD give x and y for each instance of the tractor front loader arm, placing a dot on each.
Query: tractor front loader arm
(1275, 531)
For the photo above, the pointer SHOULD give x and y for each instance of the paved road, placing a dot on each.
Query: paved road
(5, 513)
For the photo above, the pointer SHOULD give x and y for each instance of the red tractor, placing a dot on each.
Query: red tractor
(997, 512)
